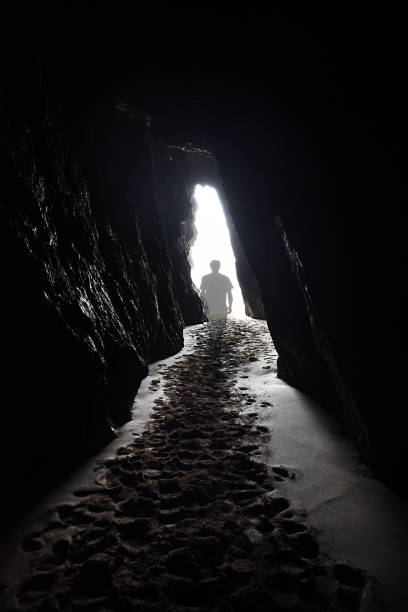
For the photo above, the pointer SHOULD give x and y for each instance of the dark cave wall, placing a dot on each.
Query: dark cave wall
(95, 225)
(250, 289)
(314, 185)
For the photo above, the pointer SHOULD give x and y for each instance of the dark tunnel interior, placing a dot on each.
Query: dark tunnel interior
(102, 145)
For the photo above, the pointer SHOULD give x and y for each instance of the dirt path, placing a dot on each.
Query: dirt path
(189, 517)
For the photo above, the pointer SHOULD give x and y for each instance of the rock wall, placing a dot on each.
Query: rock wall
(95, 227)
(314, 183)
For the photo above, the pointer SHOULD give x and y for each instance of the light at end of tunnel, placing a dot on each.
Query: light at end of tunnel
(213, 242)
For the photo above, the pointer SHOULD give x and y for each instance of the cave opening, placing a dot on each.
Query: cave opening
(212, 241)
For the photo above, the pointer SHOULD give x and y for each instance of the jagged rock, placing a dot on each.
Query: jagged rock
(99, 284)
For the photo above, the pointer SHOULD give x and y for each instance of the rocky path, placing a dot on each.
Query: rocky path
(189, 518)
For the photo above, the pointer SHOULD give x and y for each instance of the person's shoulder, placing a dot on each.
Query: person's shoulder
(206, 276)
(226, 279)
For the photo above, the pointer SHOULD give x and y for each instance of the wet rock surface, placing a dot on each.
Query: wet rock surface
(190, 517)
(94, 264)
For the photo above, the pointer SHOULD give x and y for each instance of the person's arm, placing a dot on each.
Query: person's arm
(202, 290)
(229, 296)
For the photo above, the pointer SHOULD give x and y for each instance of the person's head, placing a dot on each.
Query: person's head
(215, 265)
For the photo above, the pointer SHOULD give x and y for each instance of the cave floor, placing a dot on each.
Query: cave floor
(228, 490)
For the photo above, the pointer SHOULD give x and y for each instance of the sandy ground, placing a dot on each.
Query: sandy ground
(202, 501)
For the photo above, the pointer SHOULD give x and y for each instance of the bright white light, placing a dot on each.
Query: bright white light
(213, 242)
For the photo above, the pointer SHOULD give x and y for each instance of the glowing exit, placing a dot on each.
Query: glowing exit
(213, 242)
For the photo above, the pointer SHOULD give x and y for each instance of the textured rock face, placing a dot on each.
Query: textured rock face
(305, 203)
(251, 293)
(95, 232)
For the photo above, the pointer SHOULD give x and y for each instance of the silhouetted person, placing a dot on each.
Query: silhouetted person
(215, 288)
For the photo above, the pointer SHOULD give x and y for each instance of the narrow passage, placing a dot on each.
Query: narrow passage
(189, 516)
